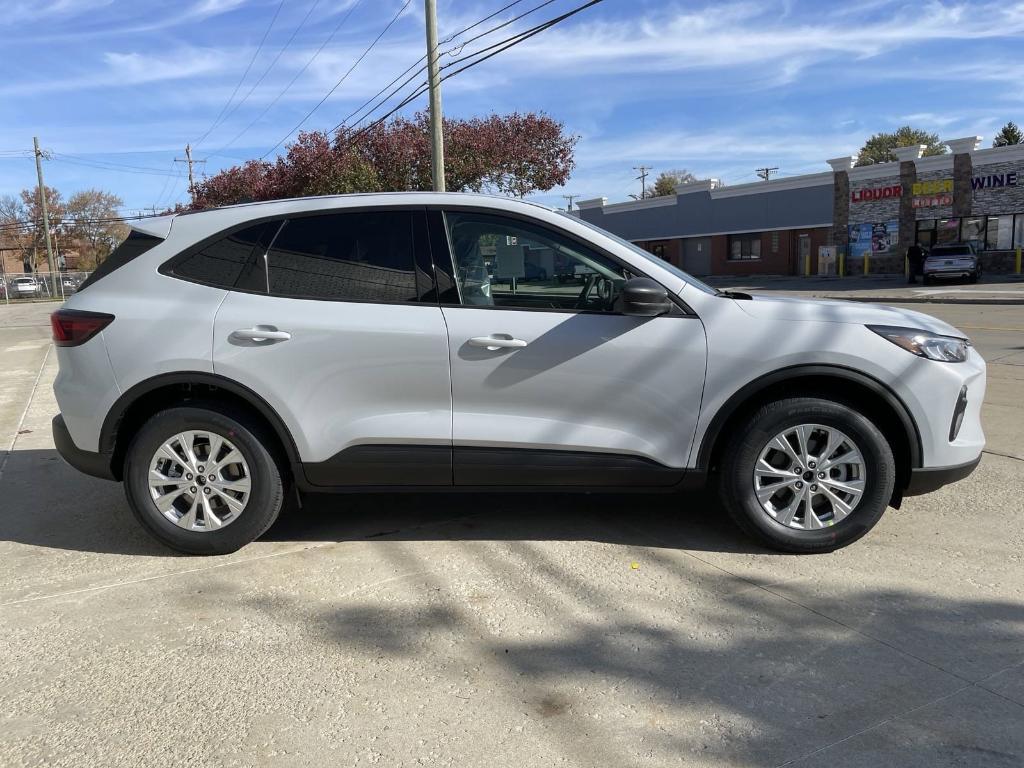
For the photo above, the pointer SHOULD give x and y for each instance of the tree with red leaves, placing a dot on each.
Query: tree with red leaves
(512, 154)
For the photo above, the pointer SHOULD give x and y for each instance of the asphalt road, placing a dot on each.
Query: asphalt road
(505, 630)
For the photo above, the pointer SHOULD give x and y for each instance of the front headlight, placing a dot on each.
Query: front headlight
(946, 349)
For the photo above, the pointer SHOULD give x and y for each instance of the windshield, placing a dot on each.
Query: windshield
(686, 276)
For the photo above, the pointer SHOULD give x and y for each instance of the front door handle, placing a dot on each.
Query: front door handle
(261, 333)
(497, 341)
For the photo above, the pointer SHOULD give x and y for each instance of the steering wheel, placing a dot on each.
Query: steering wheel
(604, 289)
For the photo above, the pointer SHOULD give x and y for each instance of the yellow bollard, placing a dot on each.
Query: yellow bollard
(807, 265)
(906, 267)
(867, 263)
(1017, 265)
(842, 265)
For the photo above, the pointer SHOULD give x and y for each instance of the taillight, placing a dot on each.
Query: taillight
(72, 327)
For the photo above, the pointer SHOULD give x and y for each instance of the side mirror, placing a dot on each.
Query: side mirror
(643, 297)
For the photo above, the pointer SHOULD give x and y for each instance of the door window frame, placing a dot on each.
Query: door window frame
(445, 273)
(423, 269)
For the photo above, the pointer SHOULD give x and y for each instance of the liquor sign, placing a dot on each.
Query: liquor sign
(871, 194)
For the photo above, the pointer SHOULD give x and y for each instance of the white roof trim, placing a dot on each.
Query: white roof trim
(731, 232)
(993, 155)
(875, 171)
(633, 205)
(775, 185)
(935, 163)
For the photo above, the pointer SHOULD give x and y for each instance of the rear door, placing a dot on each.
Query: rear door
(335, 325)
(551, 383)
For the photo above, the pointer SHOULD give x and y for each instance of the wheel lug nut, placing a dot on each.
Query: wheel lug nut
(814, 487)
(192, 489)
(799, 486)
(201, 467)
(188, 477)
(810, 464)
(798, 470)
(214, 477)
(206, 490)
(821, 475)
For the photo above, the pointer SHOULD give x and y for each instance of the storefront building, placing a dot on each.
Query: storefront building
(869, 214)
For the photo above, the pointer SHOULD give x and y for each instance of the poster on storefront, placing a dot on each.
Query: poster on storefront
(885, 236)
(880, 237)
(860, 240)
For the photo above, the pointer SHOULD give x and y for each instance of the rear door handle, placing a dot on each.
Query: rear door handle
(261, 333)
(497, 341)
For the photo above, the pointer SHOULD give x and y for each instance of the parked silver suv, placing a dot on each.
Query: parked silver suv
(219, 361)
(953, 260)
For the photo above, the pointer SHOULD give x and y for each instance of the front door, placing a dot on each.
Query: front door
(551, 383)
(336, 330)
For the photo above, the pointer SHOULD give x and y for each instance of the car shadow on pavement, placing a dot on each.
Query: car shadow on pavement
(46, 503)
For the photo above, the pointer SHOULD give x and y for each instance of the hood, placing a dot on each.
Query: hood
(834, 311)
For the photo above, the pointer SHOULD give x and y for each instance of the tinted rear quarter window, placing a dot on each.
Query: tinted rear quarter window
(359, 256)
(136, 244)
(225, 261)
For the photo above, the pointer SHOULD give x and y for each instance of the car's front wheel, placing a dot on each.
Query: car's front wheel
(807, 475)
(202, 481)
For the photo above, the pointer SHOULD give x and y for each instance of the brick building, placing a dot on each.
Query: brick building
(873, 211)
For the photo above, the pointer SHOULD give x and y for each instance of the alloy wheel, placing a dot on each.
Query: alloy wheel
(199, 481)
(810, 476)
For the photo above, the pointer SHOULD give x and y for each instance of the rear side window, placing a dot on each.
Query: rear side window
(222, 262)
(359, 256)
(136, 244)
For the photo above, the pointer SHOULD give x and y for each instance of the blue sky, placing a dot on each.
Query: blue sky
(116, 88)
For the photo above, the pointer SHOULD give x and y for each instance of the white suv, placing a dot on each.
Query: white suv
(219, 362)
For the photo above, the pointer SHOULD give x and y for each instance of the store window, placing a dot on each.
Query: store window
(999, 233)
(658, 249)
(926, 233)
(744, 247)
(972, 230)
(1018, 231)
(947, 231)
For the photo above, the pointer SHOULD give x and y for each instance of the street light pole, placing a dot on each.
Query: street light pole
(433, 77)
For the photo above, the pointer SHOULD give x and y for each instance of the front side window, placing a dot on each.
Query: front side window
(505, 262)
(358, 256)
(973, 231)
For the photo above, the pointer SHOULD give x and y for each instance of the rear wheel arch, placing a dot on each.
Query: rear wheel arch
(159, 393)
(845, 385)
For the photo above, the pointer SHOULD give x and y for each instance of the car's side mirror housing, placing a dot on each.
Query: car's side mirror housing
(643, 297)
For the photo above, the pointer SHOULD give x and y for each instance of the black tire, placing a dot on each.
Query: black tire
(736, 484)
(265, 496)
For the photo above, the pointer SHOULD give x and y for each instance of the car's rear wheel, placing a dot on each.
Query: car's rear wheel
(807, 475)
(202, 481)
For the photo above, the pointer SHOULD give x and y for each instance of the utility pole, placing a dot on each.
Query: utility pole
(191, 179)
(642, 178)
(46, 214)
(570, 198)
(436, 121)
(765, 173)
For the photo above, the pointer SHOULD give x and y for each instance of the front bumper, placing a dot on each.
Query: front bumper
(89, 462)
(926, 480)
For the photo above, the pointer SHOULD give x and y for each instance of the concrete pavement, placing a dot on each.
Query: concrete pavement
(505, 630)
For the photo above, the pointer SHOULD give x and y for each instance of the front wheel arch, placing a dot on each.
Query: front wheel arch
(830, 382)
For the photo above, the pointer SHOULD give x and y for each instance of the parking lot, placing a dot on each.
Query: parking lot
(509, 630)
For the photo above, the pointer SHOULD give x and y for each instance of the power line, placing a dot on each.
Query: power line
(297, 75)
(245, 74)
(108, 166)
(765, 173)
(277, 58)
(451, 51)
(342, 80)
(505, 45)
